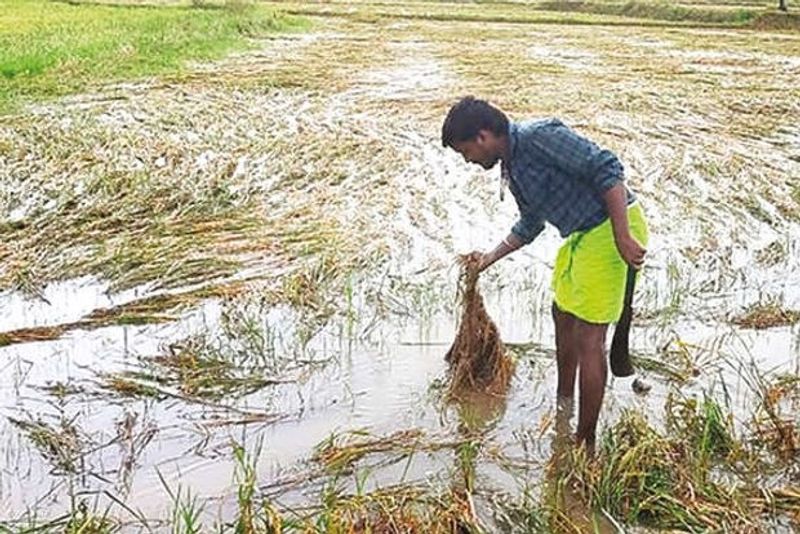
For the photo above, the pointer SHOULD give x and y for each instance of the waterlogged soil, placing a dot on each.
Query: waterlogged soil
(704, 120)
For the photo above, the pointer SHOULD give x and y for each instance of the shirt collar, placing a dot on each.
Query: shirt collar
(513, 128)
(505, 167)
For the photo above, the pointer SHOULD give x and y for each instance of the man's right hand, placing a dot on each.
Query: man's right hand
(481, 259)
(485, 259)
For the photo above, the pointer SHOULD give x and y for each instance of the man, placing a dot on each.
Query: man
(562, 178)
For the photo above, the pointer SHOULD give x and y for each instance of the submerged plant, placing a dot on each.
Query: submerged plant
(252, 517)
(62, 444)
(240, 359)
(767, 315)
(405, 508)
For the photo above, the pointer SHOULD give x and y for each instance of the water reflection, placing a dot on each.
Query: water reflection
(569, 511)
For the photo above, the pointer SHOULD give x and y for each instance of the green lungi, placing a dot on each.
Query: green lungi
(589, 276)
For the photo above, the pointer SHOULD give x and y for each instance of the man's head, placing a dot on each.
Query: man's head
(476, 130)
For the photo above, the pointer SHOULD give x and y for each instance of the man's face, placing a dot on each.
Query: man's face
(480, 150)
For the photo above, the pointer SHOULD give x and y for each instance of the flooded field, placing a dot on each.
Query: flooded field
(227, 295)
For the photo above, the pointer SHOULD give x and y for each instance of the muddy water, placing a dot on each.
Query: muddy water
(384, 382)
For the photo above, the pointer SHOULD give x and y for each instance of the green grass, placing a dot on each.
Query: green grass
(656, 11)
(50, 48)
(600, 12)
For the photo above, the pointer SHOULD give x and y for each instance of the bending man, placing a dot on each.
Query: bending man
(559, 177)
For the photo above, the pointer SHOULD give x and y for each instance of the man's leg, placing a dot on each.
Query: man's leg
(566, 352)
(590, 340)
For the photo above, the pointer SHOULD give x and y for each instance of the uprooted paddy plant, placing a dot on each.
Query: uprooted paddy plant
(478, 359)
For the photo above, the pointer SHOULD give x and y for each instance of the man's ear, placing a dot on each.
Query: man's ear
(481, 138)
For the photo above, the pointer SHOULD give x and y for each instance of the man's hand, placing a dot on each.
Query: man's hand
(484, 259)
(481, 259)
(617, 206)
(631, 251)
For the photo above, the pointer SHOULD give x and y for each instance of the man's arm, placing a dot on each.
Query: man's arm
(506, 247)
(616, 201)
(525, 230)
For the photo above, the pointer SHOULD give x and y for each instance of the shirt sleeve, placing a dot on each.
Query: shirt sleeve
(527, 227)
(578, 156)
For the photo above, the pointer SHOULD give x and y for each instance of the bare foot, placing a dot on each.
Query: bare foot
(587, 443)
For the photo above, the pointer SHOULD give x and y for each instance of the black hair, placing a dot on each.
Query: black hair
(469, 116)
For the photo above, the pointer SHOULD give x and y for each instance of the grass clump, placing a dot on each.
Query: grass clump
(252, 517)
(86, 521)
(238, 361)
(708, 429)
(346, 502)
(684, 478)
(83, 518)
(187, 509)
(242, 356)
(677, 361)
(61, 444)
(775, 423)
(521, 514)
(339, 452)
(126, 386)
(51, 48)
(406, 508)
(767, 315)
(197, 368)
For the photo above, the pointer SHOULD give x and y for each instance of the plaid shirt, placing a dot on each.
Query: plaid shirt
(558, 176)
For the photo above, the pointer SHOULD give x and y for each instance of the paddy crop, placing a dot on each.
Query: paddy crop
(229, 279)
